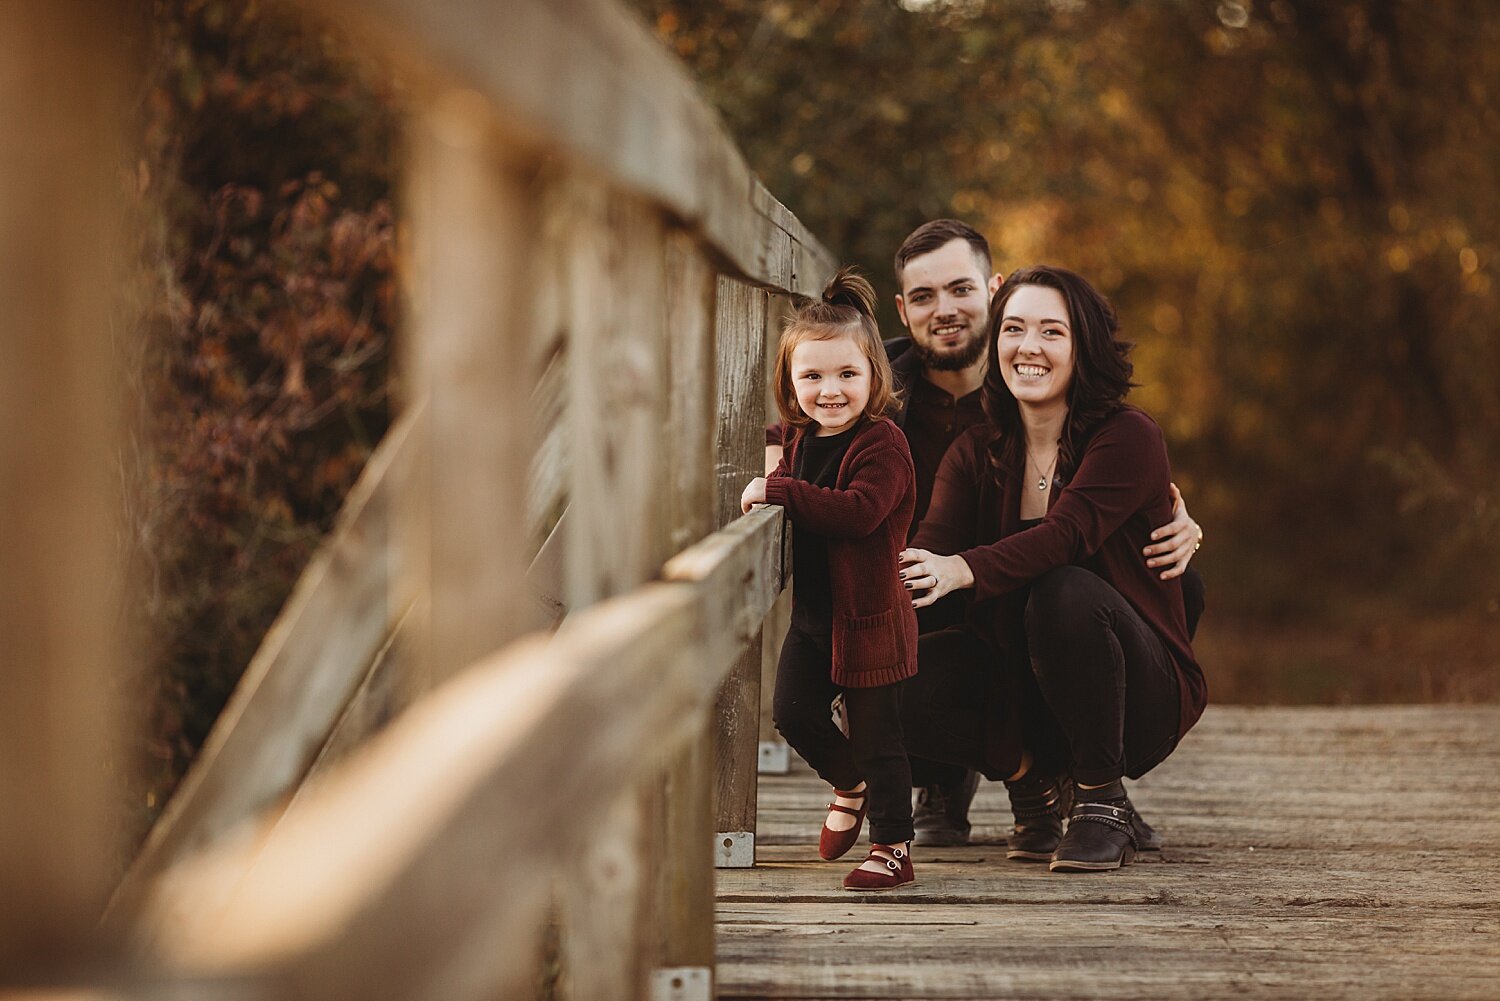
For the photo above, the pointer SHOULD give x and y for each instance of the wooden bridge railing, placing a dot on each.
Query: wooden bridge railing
(576, 209)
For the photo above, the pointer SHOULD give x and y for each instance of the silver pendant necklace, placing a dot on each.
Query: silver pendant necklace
(1041, 482)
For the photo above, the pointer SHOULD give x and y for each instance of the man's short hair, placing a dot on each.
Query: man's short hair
(939, 233)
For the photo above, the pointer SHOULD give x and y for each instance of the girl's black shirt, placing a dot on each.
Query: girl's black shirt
(818, 461)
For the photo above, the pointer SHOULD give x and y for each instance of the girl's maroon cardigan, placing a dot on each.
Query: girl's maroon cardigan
(865, 518)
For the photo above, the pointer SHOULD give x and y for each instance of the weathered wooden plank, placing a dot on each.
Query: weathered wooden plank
(422, 867)
(790, 261)
(60, 418)
(689, 294)
(739, 442)
(378, 699)
(617, 395)
(586, 78)
(1309, 853)
(413, 873)
(684, 905)
(1354, 879)
(680, 918)
(741, 569)
(470, 359)
(546, 575)
(300, 680)
(1001, 952)
(605, 900)
(780, 617)
(778, 621)
(736, 748)
(547, 481)
(619, 504)
(690, 303)
(739, 446)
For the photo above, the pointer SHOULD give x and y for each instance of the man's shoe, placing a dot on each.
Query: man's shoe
(941, 816)
(1101, 835)
(1147, 838)
(1039, 803)
(896, 871)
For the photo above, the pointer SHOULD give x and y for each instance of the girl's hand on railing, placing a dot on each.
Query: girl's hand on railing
(755, 493)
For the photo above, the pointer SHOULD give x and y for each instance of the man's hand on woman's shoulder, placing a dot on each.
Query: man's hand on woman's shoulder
(1174, 543)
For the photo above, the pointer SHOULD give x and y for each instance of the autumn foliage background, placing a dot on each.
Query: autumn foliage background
(1291, 203)
(264, 377)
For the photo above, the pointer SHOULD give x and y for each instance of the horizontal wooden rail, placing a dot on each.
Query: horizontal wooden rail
(586, 79)
(400, 869)
(299, 683)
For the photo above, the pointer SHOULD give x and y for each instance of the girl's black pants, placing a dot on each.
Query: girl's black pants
(873, 752)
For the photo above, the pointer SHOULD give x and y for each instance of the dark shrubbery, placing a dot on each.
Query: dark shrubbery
(263, 379)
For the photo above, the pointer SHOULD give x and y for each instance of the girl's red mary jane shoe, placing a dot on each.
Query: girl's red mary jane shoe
(895, 869)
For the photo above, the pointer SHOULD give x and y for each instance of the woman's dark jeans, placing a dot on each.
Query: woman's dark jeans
(1106, 675)
(947, 649)
(873, 752)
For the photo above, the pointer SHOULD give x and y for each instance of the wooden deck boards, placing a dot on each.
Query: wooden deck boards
(1310, 852)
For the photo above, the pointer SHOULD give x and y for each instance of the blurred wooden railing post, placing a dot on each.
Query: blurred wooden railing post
(64, 93)
(618, 537)
(460, 546)
(684, 950)
(469, 360)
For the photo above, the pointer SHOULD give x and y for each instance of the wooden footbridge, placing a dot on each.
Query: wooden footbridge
(1310, 853)
(421, 789)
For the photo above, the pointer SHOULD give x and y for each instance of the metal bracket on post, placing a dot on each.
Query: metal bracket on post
(734, 850)
(682, 983)
(775, 758)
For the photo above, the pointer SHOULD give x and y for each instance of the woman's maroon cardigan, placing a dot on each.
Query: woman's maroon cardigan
(865, 518)
(1101, 520)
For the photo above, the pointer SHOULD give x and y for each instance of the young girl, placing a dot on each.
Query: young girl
(848, 485)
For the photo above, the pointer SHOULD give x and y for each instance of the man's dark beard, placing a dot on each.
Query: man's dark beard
(951, 362)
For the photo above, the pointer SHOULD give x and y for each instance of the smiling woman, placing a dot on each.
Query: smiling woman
(1042, 512)
(1035, 348)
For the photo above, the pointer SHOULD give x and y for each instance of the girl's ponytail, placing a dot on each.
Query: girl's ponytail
(850, 288)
